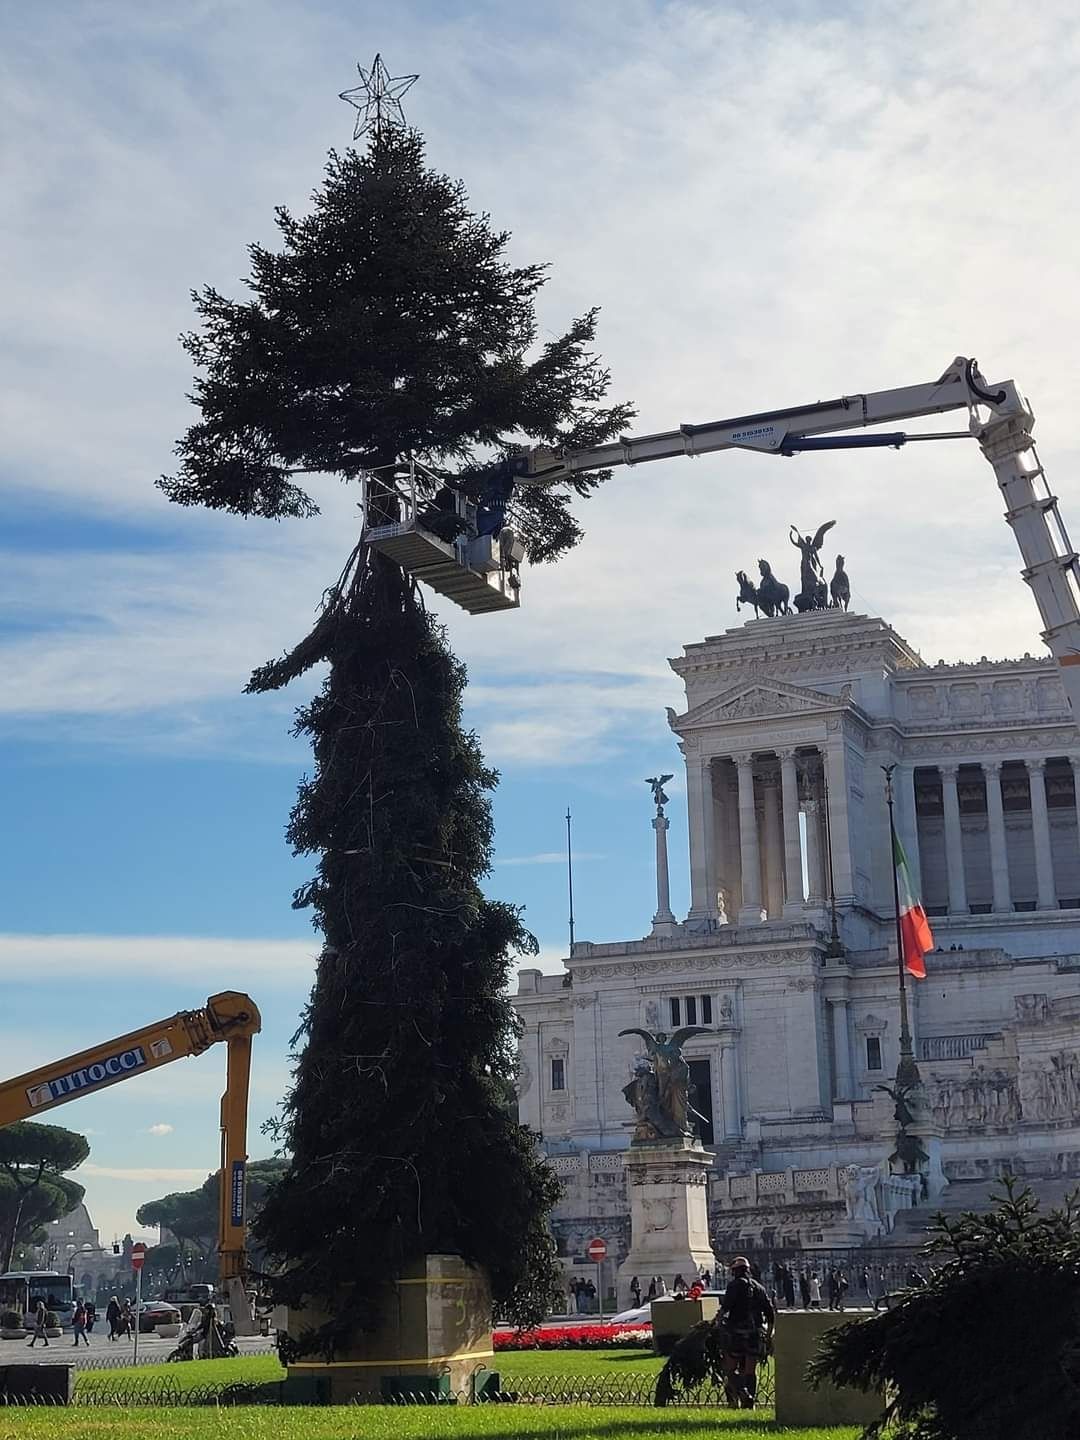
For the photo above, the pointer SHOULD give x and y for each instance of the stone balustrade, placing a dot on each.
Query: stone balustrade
(778, 1187)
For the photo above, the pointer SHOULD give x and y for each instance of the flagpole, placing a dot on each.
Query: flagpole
(907, 1072)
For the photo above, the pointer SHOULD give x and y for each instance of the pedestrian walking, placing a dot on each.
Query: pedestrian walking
(815, 1293)
(125, 1319)
(112, 1318)
(789, 1288)
(635, 1292)
(41, 1325)
(651, 1292)
(78, 1324)
(91, 1316)
(678, 1285)
(804, 1290)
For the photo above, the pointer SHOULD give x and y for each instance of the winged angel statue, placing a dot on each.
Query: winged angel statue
(659, 1093)
(813, 593)
(656, 784)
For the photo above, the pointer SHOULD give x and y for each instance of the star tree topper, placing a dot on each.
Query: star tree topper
(378, 99)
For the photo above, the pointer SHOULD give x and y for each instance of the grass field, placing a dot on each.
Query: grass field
(388, 1423)
(548, 1422)
(263, 1369)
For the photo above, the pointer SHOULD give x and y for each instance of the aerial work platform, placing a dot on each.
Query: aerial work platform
(467, 571)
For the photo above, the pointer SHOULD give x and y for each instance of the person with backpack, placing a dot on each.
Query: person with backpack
(78, 1324)
(748, 1316)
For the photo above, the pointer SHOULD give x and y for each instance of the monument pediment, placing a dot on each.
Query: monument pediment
(756, 698)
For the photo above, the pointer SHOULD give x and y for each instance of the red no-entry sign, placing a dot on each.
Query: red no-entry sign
(597, 1250)
(138, 1255)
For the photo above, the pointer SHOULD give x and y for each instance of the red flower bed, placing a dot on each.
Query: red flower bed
(576, 1337)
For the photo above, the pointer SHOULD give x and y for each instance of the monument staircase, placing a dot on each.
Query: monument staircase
(912, 1225)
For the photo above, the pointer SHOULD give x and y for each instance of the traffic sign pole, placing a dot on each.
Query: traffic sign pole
(138, 1256)
(138, 1301)
(597, 1253)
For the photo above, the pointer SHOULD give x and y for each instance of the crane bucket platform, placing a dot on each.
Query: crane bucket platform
(447, 568)
(478, 572)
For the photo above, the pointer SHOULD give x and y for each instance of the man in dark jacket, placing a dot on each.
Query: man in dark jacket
(747, 1314)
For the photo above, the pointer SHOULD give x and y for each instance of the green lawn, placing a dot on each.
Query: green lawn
(554, 1422)
(264, 1369)
(128, 1421)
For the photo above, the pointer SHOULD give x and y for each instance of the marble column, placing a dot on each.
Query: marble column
(700, 821)
(789, 799)
(995, 823)
(663, 921)
(749, 849)
(708, 801)
(773, 848)
(842, 1050)
(1040, 834)
(907, 823)
(729, 1089)
(954, 841)
(839, 802)
(810, 790)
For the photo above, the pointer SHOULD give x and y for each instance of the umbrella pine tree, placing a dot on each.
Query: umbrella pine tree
(390, 324)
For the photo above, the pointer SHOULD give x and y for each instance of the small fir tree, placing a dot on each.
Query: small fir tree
(391, 324)
(989, 1347)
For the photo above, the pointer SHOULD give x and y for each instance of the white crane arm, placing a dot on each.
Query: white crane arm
(770, 431)
(999, 418)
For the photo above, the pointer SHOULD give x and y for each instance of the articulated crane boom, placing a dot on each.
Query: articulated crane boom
(999, 419)
(482, 575)
(230, 1017)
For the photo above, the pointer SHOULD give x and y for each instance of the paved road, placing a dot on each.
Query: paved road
(103, 1353)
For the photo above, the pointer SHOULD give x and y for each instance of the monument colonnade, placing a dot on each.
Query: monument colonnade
(1004, 900)
(752, 813)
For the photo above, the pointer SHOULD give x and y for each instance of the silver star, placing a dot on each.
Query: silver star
(378, 98)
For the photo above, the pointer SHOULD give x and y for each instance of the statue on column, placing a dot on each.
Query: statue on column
(656, 783)
(907, 1101)
(660, 1092)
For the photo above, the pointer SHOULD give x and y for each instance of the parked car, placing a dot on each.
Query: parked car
(157, 1312)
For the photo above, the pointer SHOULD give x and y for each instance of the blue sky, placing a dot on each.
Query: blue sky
(771, 204)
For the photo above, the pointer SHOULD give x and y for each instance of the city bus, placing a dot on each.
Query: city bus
(26, 1287)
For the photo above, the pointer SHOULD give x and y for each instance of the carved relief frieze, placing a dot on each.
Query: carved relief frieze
(985, 1099)
(1051, 1091)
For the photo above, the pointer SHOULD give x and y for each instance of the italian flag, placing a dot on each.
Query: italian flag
(914, 926)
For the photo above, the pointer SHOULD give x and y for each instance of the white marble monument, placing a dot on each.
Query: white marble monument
(987, 761)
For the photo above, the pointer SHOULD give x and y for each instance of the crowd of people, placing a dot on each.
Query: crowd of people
(789, 1287)
(119, 1316)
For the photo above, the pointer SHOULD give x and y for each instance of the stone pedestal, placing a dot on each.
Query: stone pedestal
(795, 1343)
(673, 1318)
(435, 1321)
(669, 1224)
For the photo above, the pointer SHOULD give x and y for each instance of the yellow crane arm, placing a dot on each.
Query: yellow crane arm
(230, 1017)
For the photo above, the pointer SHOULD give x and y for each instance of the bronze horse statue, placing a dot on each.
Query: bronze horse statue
(770, 598)
(748, 594)
(840, 586)
(772, 593)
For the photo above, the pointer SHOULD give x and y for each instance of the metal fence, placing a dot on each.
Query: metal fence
(635, 1388)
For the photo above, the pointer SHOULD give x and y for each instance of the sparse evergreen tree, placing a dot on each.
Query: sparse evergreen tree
(989, 1347)
(390, 324)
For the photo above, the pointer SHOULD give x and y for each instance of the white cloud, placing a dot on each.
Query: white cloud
(140, 1173)
(200, 960)
(813, 208)
(161, 1128)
